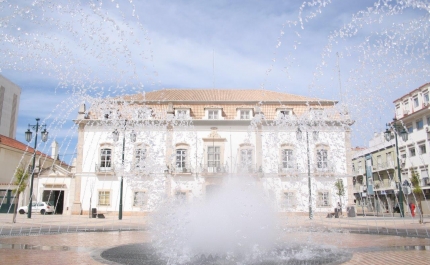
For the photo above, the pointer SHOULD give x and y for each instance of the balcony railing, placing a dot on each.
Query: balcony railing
(358, 188)
(182, 170)
(384, 185)
(358, 171)
(383, 165)
(324, 168)
(105, 168)
(288, 168)
(221, 169)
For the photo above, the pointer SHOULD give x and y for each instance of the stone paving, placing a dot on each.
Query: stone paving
(77, 247)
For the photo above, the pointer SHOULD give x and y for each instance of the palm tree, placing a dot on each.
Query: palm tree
(21, 177)
(418, 192)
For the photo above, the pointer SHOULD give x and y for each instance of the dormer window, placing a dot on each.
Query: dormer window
(244, 114)
(317, 113)
(182, 113)
(284, 113)
(213, 114)
(109, 114)
(144, 114)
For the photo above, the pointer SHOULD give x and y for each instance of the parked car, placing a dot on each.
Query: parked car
(38, 207)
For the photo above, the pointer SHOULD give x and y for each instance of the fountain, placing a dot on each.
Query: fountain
(103, 50)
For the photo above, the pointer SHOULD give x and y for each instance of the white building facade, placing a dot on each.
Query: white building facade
(412, 112)
(9, 107)
(184, 144)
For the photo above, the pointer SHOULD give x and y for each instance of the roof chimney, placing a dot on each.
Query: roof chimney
(54, 150)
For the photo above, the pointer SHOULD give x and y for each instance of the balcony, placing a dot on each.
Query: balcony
(180, 170)
(358, 171)
(383, 166)
(358, 188)
(324, 168)
(106, 168)
(288, 169)
(215, 170)
(385, 185)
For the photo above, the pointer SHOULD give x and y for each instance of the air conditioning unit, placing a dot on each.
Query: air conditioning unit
(425, 104)
(427, 181)
(427, 129)
(402, 160)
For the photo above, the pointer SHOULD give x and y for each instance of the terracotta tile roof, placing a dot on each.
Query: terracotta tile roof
(220, 95)
(7, 141)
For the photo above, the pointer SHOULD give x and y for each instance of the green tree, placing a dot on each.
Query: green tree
(340, 191)
(418, 192)
(21, 177)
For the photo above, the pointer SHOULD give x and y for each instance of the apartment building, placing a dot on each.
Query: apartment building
(412, 111)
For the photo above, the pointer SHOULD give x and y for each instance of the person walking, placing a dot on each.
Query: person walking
(412, 207)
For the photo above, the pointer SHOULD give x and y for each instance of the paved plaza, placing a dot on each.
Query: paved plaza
(56, 239)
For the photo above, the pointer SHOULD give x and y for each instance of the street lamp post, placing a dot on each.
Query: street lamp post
(396, 128)
(28, 137)
(299, 137)
(115, 135)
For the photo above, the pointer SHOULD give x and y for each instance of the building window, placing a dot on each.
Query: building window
(182, 113)
(428, 120)
(110, 114)
(379, 161)
(214, 156)
(139, 157)
(322, 158)
(105, 158)
(323, 199)
(416, 101)
(406, 107)
(213, 114)
(409, 128)
(398, 110)
(181, 156)
(245, 114)
(420, 124)
(283, 113)
(424, 177)
(287, 200)
(104, 198)
(412, 151)
(317, 113)
(287, 158)
(144, 114)
(426, 99)
(139, 199)
(389, 159)
(422, 149)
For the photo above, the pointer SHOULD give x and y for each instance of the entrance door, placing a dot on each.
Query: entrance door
(56, 198)
(6, 201)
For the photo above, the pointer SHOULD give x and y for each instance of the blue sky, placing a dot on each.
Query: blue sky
(65, 52)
